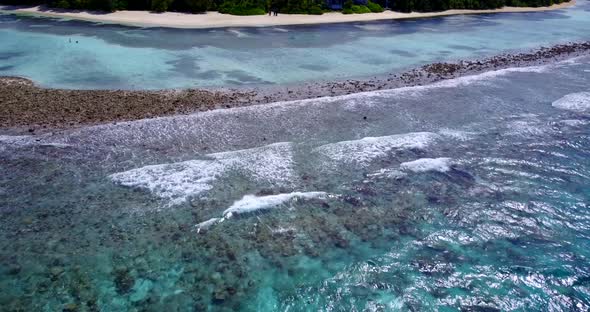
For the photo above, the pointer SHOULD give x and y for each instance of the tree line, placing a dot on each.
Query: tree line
(255, 7)
(442, 5)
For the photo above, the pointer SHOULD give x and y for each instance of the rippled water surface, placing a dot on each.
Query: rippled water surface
(70, 54)
(468, 194)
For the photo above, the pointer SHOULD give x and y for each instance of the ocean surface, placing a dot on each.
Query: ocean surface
(81, 55)
(471, 194)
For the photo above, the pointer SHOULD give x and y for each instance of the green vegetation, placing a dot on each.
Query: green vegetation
(347, 8)
(242, 7)
(315, 10)
(360, 9)
(196, 6)
(441, 5)
(298, 6)
(234, 7)
(374, 7)
(258, 7)
(350, 8)
(157, 5)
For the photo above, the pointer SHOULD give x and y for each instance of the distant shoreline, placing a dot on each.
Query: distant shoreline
(29, 109)
(217, 20)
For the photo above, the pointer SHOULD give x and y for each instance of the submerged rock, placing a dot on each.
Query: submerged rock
(13, 269)
(220, 295)
(123, 280)
(55, 272)
(70, 307)
(353, 201)
(341, 242)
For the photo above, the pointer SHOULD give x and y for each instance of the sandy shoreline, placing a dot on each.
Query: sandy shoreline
(30, 109)
(217, 20)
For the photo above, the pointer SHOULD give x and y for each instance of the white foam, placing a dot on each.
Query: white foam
(282, 230)
(207, 224)
(174, 181)
(27, 140)
(365, 150)
(577, 102)
(456, 134)
(364, 97)
(238, 33)
(485, 76)
(387, 173)
(448, 236)
(417, 90)
(442, 164)
(574, 122)
(251, 203)
(353, 104)
(165, 124)
(15, 138)
(526, 128)
(272, 162)
(178, 181)
(519, 163)
(452, 83)
(517, 173)
(372, 27)
(573, 60)
(280, 29)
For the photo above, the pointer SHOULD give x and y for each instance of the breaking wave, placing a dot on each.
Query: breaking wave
(178, 181)
(252, 203)
(442, 164)
(577, 102)
(365, 150)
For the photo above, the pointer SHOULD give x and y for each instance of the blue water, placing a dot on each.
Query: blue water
(472, 194)
(117, 57)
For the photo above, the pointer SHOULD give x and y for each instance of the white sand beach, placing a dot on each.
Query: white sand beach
(216, 20)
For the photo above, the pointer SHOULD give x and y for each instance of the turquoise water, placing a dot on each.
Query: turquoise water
(471, 194)
(110, 56)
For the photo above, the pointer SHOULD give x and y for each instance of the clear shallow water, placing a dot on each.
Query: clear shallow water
(110, 56)
(469, 194)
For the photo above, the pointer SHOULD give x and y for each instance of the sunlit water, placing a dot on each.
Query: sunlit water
(110, 56)
(469, 194)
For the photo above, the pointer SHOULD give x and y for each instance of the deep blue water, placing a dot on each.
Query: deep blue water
(472, 194)
(117, 57)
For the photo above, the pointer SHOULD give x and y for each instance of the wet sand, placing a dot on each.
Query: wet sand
(216, 20)
(26, 108)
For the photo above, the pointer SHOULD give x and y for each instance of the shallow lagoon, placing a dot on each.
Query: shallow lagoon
(111, 56)
(468, 194)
